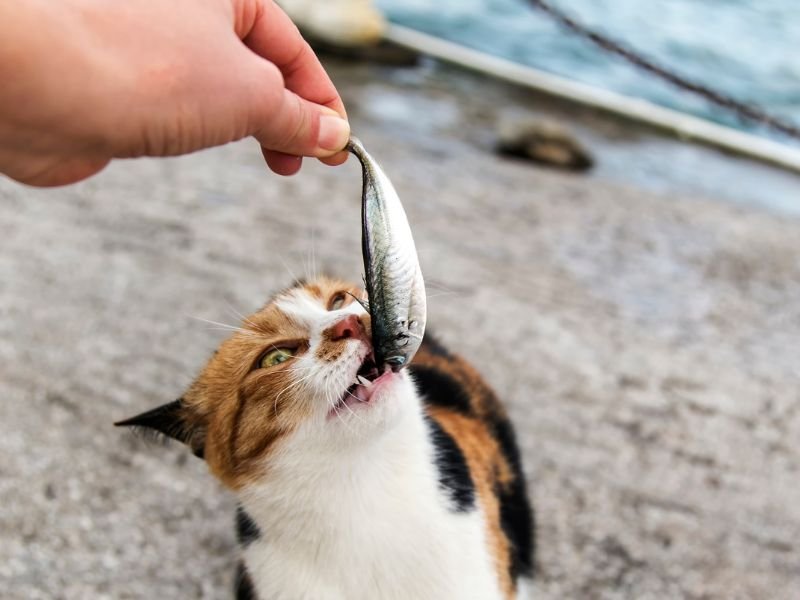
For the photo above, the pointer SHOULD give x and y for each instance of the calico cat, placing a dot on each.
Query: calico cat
(355, 485)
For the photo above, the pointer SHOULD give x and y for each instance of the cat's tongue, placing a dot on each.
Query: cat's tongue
(364, 389)
(362, 392)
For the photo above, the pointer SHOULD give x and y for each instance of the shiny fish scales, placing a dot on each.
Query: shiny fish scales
(393, 277)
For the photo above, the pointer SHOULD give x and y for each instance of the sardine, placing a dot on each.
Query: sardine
(395, 288)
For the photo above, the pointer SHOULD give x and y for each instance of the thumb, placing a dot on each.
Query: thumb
(289, 124)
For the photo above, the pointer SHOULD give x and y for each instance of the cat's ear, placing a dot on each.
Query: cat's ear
(171, 420)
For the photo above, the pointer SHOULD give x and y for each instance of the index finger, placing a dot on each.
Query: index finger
(276, 38)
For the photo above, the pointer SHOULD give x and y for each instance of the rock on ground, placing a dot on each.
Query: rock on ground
(647, 346)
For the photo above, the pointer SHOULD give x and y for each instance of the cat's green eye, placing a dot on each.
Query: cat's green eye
(337, 301)
(275, 357)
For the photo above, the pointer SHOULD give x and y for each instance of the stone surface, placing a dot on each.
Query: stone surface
(647, 346)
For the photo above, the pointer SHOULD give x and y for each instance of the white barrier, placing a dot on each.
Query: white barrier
(684, 126)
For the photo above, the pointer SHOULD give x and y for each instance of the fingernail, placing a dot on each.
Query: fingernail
(333, 133)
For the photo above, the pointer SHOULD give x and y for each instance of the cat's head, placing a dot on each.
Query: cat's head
(286, 382)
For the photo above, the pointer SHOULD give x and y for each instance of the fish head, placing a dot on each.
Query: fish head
(398, 329)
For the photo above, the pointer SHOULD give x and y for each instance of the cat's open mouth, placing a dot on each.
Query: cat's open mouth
(361, 389)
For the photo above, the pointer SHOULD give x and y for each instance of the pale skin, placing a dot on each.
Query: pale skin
(88, 81)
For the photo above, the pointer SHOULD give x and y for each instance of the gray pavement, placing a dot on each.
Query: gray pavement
(647, 346)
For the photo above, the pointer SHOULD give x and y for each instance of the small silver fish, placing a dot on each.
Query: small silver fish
(395, 287)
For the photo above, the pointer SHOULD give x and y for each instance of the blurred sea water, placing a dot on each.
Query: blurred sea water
(749, 49)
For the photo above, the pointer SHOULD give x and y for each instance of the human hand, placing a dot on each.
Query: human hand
(86, 81)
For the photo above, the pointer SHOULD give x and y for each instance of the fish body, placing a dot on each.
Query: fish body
(395, 287)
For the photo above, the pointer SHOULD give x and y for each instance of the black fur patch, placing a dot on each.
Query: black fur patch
(435, 347)
(243, 585)
(454, 476)
(439, 389)
(247, 531)
(516, 515)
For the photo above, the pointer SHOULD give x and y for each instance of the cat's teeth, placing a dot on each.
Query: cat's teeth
(364, 381)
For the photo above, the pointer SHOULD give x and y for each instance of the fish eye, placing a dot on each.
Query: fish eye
(337, 301)
(275, 356)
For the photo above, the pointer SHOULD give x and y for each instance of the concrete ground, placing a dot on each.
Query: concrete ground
(647, 346)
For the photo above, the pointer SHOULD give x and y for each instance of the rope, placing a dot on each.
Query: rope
(747, 111)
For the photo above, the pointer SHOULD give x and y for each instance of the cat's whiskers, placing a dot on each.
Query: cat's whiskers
(312, 259)
(342, 420)
(293, 369)
(292, 385)
(334, 403)
(429, 296)
(347, 406)
(352, 412)
(288, 387)
(288, 269)
(243, 331)
(438, 285)
(329, 399)
(226, 326)
(338, 414)
(239, 315)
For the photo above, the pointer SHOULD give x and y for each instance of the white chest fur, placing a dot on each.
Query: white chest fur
(366, 523)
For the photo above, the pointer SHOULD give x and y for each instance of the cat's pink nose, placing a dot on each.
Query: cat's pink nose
(349, 327)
